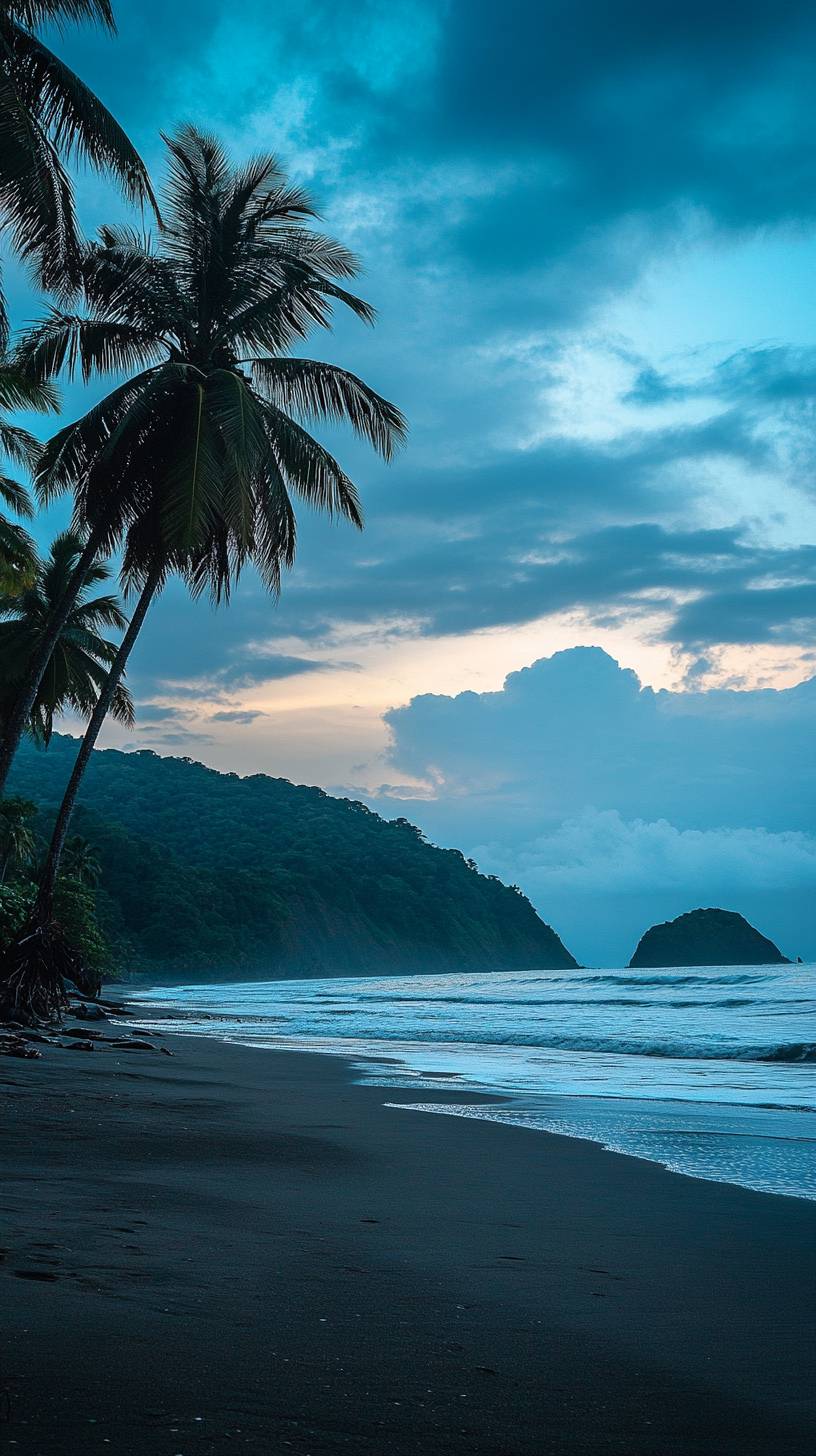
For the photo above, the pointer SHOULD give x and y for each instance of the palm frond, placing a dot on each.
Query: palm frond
(190, 487)
(308, 468)
(102, 611)
(238, 420)
(19, 445)
(18, 558)
(125, 280)
(36, 198)
(75, 120)
(324, 391)
(15, 495)
(21, 391)
(69, 342)
(32, 13)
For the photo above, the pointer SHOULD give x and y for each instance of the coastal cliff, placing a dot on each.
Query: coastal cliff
(213, 876)
(706, 938)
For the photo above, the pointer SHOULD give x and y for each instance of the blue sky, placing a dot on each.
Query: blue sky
(590, 231)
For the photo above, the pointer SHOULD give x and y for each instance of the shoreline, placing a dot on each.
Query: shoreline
(552, 1107)
(251, 1250)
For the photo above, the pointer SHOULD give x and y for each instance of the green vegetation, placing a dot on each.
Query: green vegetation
(18, 557)
(20, 846)
(78, 666)
(206, 875)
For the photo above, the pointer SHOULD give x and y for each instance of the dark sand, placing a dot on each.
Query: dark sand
(241, 1249)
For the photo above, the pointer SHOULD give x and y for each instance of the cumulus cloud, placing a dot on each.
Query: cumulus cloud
(614, 805)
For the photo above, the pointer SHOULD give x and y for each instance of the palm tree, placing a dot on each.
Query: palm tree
(213, 416)
(78, 666)
(194, 459)
(16, 835)
(18, 557)
(47, 115)
(80, 860)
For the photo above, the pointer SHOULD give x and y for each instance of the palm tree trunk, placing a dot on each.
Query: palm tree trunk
(45, 895)
(15, 723)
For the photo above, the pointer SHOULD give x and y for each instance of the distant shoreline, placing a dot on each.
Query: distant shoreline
(251, 1250)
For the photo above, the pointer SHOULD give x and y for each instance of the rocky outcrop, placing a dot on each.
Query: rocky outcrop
(706, 938)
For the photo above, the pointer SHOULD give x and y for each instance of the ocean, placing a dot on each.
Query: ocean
(709, 1071)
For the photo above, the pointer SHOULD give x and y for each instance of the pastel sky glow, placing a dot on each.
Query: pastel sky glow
(590, 233)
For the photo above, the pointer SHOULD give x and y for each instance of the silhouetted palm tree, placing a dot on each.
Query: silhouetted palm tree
(78, 667)
(211, 423)
(47, 115)
(194, 458)
(18, 557)
(16, 835)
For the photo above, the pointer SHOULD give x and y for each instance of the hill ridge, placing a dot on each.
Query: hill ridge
(211, 874)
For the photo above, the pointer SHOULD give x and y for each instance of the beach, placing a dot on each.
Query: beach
(237, 1248)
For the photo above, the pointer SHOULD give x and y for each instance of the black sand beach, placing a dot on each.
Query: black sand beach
(238, 1249)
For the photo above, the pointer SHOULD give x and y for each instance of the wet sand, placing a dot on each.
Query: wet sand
(236, 1249)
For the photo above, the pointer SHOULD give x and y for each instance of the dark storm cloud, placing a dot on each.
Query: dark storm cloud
(628, 108)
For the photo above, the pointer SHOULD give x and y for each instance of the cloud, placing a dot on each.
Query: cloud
(252, 666)
(614, 804)
(158, 712)
(777, 375)
(610, 878)
(784, 614)
(514, 566)
(584, 732)
(176, 740)
(237, 715)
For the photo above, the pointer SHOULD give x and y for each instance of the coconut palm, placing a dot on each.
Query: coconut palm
(194, 460)
(18, 557)
(47, 116)
(212, 417)
(78, 667)
(80, 860)
(17, 840)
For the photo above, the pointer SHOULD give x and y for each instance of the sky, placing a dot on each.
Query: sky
(576, 638)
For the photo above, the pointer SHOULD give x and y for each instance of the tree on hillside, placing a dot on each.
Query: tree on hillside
(78, 666)
(81, 861)
(16, 835)
(193, 461)
(48, 116)
(18, 557)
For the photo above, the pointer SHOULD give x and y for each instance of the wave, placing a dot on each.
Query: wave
(277, 1029)
(794, 1051)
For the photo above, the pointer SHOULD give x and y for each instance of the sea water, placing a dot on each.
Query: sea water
(710, 1071)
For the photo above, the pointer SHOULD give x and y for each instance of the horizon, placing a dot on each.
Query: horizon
(608, 370)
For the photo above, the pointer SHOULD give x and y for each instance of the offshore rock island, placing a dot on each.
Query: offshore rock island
(706, 938)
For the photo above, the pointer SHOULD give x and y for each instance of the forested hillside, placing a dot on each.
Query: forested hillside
(209, 874)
